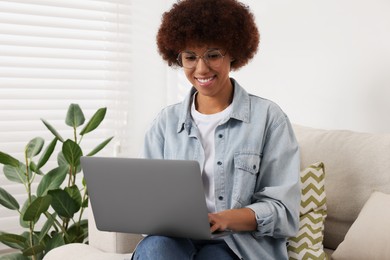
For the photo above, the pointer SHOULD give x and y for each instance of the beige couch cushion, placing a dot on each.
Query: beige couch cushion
(83, 252)
(356, 165)
(369, 235)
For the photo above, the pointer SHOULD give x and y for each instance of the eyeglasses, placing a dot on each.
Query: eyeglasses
(188, 59)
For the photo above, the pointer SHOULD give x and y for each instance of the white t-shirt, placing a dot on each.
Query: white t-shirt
(206, 125)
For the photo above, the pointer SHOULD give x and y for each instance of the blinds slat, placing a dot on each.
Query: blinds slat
(22, 62)
(108, 5)
(63, 74)
(55, 32)
(96, 55)
(92, 12)
(20, 96)
(64, 23)
(64, 84)
(78, 44)
(47, 113)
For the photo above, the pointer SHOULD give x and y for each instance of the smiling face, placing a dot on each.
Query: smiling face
(213, 83)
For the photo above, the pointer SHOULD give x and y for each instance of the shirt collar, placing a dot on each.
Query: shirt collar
(240, 107)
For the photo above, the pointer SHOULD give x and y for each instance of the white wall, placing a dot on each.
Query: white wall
(149, 89)
(326, 63)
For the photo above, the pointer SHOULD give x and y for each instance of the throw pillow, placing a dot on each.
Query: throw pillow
(308, 242)
(369, 235)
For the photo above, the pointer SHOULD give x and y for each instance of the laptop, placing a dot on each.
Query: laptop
(148, 196)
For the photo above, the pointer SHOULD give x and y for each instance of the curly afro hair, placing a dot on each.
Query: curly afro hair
(227, 23)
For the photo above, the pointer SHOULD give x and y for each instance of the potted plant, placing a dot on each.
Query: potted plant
(59, 201)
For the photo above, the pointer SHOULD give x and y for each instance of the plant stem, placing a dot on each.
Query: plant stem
(31, 237)
(28, 179)
(82, 202)
(74, 175)
(31, 223)
(56, 223)
(70, 175)
(81, 138)
(75, 134)
(74, 167)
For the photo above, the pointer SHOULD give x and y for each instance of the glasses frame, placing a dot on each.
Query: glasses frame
(203, 57)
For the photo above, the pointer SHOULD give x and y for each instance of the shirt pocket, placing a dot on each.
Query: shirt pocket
(246, 169)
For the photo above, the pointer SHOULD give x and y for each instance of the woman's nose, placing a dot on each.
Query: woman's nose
(202, 66)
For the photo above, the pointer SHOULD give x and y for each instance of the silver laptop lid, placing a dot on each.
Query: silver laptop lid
(147, 196)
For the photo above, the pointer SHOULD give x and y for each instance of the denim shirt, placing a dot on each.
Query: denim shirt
(256, 166)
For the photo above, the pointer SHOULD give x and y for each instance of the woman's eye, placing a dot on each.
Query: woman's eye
(190, 58)
(213, 56)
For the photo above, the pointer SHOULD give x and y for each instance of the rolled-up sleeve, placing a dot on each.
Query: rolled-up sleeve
(276, 201)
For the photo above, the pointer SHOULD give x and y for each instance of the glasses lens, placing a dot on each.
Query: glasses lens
(213, 58)
(187, 59)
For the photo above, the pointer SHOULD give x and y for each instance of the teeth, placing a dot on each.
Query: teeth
(205, 80)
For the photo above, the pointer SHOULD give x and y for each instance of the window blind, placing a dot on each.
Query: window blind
(54, 53)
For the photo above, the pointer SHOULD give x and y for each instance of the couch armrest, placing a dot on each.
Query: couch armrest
(110, 242)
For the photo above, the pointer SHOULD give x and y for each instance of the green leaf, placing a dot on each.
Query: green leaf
(7, 159)
(14, 256)
(34, 168)
(100, 147)
(75, 194)
(47, 226)
(56, 241)
(85, 204)
(34, 250)
(7, 200)
(14, 246)
(78, 169)
(34, 211)
(95, 121)
(47, 153)
(72, 152)
(61, 159)
(74, 116)
(16, 174)
(52, 130)
(27, 203)
(34, 147)
(52, 180)
(62, 203)
(77, 234)
(20, 246)
(12, 238)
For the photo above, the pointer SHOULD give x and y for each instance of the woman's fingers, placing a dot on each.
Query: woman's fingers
(217, 222)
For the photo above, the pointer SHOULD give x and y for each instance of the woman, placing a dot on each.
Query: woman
(244, 144)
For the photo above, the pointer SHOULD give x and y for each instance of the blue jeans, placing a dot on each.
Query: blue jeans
(170, 248)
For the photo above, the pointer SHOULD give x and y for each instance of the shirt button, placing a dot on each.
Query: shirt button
(220, 197)
(219, 163)
(220, 135)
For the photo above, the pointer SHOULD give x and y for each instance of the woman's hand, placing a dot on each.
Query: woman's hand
(233, 219)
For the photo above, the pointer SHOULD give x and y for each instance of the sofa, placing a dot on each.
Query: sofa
(355, 221)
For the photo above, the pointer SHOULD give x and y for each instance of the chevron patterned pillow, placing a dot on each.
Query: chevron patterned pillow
(308, 242)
